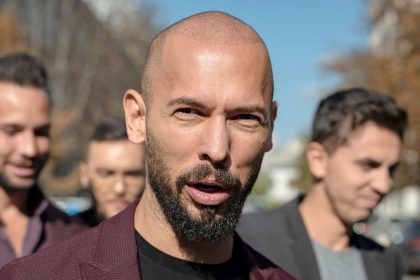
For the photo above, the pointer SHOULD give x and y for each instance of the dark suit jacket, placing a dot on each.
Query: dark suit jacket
(281, 236)
(109, 251)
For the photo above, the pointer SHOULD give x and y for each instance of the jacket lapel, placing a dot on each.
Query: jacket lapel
(115, 251)
(373, 266)
(300, 245)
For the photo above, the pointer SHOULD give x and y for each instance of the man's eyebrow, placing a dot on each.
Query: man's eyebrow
(368, 160)
(43, 127)
(251, 109)
(186, 101)
(194, 102)
(102, 168)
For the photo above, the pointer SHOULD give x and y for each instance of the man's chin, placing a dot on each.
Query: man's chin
(18, 184)
(206, 213)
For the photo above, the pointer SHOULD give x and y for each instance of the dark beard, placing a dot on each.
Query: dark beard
(207, 227)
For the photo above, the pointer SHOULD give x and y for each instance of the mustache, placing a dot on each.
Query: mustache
(203, 171)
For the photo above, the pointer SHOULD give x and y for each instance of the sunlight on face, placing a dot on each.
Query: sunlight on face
(360, 173)
(215, 112)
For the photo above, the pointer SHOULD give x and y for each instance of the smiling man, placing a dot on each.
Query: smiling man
(205, 113)
(353, 153)
(113, 171)
(28, 222)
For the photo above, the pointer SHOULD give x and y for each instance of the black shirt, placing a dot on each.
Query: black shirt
(155, 264)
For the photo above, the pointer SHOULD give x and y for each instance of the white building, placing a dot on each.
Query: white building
(281, 165)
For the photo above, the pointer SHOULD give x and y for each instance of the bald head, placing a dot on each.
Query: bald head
(215, 27)
(211, 28)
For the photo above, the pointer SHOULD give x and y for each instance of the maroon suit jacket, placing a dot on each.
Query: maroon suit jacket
(109, 251)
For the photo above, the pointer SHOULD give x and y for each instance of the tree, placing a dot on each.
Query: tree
(91, 65)
(12, 37)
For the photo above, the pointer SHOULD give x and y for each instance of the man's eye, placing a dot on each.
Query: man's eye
(45, 132)
(248, 119)
(10, 130)
(135, 173)
(393, 169)
(186, 113)
(368, 165)
(104, 173)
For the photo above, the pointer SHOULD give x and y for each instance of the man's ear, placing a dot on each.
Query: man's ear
(317, 159)
(135, 116)
(84, 175)
(273, 115)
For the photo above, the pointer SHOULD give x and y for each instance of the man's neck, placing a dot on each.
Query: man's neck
(13, 218)
(321, 222)
(152, 225)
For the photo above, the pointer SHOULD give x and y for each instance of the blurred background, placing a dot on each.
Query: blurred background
(95, 50)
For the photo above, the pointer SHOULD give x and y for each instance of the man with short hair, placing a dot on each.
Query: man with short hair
(352, 156)
(28, 222)
(112, 170)
(206, 115)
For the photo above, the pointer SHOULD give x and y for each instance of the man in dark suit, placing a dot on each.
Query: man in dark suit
(352, 155)
(28, 221)
(206, 115)
(112, 171)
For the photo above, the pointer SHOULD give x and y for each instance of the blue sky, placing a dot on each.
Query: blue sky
(299, 35)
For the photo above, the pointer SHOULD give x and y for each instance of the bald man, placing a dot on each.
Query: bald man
(205, 113)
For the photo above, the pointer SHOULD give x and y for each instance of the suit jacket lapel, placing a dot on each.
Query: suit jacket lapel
(373, 266)
(300, 243)
(115, 255)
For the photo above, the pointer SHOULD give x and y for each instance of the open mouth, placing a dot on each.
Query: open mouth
(207, 193)
(207, 187)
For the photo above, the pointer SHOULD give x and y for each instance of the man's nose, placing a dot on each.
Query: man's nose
(215, 143)
(27, 144)
(383, 181)
(119, 185)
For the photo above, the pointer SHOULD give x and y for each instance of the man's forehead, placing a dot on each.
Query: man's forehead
(214, 27)
(370, 135)
(189, 70)
(180, 41)
(181, 53)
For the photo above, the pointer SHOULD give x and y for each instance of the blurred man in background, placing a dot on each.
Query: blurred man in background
(352, 156)
(28, 221)
(113, 171)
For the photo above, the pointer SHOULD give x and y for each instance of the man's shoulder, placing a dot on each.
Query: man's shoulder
(259, 266)
(369, 246)
(53, 262)
(261, 220)
(379, 259)
(106, 248)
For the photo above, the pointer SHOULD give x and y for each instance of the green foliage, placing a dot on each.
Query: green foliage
(260, 193)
